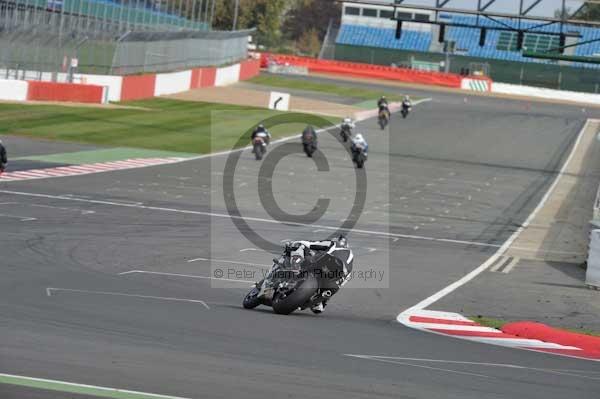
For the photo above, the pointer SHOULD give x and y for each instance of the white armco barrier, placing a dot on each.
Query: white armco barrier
(171, 83)
(227, 75)
(505, 88)
(13, 90)
(592, 277)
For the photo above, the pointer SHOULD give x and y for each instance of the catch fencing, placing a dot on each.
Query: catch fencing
(111, 37)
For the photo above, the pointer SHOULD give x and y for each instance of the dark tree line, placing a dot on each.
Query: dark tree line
(301, 24)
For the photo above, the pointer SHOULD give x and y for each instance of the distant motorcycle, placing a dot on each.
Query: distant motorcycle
(309, 147)
(309, 141)
(346, 131)
(384, 117)
(406, 108)
(358, 156)
(259, 147)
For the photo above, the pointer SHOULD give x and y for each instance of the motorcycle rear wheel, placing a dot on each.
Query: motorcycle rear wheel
(301, 295)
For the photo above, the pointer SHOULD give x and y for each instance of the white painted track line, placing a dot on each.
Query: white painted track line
(186, 275)
(50, 290)
(254, 219)
(403, 316)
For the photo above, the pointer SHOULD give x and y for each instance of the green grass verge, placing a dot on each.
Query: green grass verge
(498, 323)
(163, 124)
(359, 94)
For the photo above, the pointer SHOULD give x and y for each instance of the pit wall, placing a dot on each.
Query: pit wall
(101, 89)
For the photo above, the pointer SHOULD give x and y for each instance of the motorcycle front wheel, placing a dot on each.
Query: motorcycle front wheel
(258, 152)
(251, 300)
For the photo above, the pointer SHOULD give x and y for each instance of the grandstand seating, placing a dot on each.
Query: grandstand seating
(138, 12)
(500, 45)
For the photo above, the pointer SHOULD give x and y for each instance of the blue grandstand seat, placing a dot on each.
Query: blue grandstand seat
(467, 39)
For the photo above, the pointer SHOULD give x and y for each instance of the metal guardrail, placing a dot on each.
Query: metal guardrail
(109, 37)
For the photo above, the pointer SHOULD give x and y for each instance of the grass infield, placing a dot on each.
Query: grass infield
(158, 124)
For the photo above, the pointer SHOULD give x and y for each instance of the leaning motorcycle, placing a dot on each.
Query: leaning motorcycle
(287, 289)
(259, 147)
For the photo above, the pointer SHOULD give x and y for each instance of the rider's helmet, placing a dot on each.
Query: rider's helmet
(358, 137)
(383, 98)
(296, 258)
(347, 120)
(261, 126)
(406, 98)
(342, 242)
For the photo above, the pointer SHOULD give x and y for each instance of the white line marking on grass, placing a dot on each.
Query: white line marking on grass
(255, 219)
(50, 290)
(92, 390)
(185, 275)
(484, 266)
(248, 249)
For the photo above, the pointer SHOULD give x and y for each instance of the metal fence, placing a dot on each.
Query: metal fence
(111, 37)
(553, 76)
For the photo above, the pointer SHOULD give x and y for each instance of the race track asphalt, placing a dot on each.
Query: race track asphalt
(445, 188)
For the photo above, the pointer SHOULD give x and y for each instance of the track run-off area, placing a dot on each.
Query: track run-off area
(108, 279)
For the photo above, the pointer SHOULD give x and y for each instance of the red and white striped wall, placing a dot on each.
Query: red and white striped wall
(521, 335)
(104, 88)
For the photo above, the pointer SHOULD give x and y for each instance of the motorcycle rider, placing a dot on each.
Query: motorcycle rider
(347, 123)
(406, 103)
(309, 134)
(384, 106)
(304, 253)
(3, 157)
(382, 103)
(359, 141)
(261, 131)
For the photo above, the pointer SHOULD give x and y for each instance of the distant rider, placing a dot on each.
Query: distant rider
(359, 141)
(306, 253)
(406, 103)
(262, 132)
(3, 157)
(309, 134)
(348, 123)
(382, 104)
